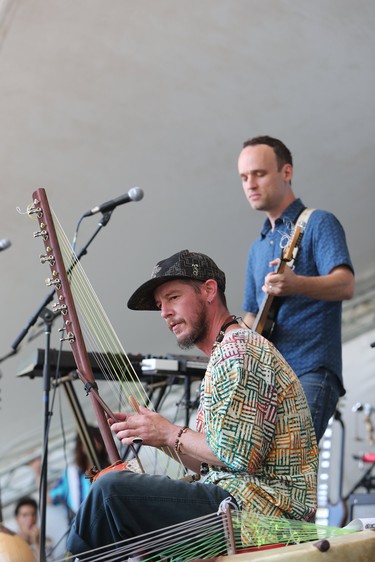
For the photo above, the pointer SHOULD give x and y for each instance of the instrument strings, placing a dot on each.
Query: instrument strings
(111, 357)
(206, 537)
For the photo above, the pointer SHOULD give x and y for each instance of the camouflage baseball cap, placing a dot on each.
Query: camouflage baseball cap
(183, 265)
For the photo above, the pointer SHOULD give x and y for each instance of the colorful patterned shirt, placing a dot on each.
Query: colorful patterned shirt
(257, 421)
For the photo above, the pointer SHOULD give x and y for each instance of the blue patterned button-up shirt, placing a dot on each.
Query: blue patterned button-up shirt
(307, 331)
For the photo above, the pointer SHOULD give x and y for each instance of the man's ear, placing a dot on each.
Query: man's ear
(288, 172)
(210, 289)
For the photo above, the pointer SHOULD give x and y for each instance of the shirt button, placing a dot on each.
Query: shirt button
(271, 242)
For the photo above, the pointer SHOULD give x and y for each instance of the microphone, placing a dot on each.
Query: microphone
(4, 244)
(134, 194)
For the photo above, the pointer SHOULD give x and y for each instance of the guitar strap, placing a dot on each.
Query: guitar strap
(301, 221)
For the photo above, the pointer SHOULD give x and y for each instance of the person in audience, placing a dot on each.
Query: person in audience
(26, 516)
(73, 486)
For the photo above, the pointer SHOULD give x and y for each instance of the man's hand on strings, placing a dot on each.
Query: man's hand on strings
(280, 284)
(151, 427)
(336, 285)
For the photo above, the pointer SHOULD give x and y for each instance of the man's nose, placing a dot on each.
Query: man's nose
(249, 183)
(165, 311)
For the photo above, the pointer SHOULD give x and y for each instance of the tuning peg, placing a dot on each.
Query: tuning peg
(44, 258)
(56, 282)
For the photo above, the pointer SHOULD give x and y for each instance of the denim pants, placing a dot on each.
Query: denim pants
(322, 389)
(123, 505)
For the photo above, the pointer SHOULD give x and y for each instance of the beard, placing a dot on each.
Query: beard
(197, 334)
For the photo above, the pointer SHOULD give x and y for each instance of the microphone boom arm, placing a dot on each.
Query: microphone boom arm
(103, 222)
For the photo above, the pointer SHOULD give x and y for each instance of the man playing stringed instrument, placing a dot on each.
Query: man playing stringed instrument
(307, 328)
(254, 440)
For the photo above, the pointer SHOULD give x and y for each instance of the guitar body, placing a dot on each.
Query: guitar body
(265, 320)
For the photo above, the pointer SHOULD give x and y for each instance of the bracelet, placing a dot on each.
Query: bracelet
(204, 469)
(177, 443)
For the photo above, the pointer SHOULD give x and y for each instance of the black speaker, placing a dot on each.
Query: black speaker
(361, 505)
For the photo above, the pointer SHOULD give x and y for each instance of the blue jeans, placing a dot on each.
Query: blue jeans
(322, 389)
(123, 505)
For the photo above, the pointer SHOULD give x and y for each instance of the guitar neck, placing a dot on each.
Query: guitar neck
(265, 319)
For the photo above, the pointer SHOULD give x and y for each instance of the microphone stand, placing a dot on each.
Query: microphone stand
(103, 222)
(48, 317)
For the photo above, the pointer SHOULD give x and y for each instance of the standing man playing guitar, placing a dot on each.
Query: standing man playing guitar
(308, 297)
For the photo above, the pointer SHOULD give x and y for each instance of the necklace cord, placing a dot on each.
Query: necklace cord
(220, 336)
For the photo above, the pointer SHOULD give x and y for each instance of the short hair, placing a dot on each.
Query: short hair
(197, 285)
(26, 500)
(282, 152)
(81, 455)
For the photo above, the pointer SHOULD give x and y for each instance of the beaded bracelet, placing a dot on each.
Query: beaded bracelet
(177, 444)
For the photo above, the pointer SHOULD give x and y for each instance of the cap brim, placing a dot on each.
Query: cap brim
(143, 297)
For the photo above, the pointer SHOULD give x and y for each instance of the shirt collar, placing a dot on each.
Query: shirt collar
(291, 213)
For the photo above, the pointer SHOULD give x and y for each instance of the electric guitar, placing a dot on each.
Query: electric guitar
(266, 317)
